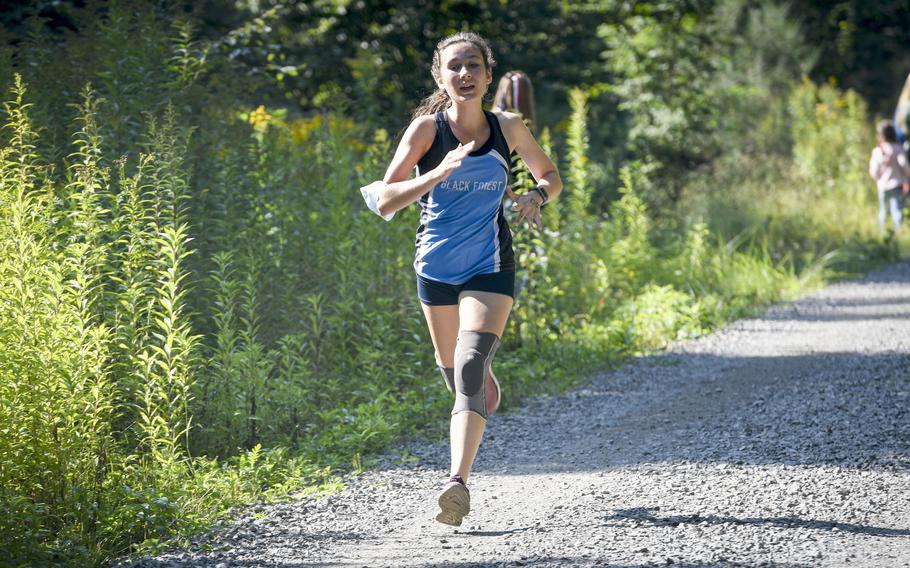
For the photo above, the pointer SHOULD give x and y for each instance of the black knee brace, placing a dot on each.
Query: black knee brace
(473, 355)
(448, 375)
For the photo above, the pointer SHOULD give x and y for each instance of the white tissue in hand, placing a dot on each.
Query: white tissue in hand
(371, 197)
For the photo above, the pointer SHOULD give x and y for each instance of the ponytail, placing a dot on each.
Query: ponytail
(434, 103)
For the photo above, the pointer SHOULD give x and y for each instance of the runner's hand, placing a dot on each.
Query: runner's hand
(528, 207)
(453, 159)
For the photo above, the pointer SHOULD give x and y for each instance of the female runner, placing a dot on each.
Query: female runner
(464, 261)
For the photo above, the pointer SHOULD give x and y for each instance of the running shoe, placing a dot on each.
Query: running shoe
(454, 503)
(493, 393)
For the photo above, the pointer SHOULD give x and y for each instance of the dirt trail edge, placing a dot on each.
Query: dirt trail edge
(778, 441)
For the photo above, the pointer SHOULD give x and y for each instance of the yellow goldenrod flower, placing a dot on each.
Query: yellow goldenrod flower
(259, 117)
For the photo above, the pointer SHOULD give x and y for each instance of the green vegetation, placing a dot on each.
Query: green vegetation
(197, 311)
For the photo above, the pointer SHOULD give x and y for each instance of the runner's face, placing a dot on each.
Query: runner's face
(462, 72)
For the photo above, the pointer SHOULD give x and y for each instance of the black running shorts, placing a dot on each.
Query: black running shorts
(433, 293)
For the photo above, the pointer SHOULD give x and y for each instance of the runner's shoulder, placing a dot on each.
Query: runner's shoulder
(512, 125)
(508, 119)
(423, 127)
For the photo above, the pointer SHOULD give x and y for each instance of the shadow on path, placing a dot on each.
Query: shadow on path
(834, 409)
(647, 515)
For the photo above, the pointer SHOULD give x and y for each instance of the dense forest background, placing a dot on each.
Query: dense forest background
(197, 311)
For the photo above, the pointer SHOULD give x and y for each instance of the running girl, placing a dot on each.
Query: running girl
(464, 262)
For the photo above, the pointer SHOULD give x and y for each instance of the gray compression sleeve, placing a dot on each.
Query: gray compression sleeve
(473, 356)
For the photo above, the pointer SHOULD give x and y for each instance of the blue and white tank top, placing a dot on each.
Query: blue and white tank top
(463, 231)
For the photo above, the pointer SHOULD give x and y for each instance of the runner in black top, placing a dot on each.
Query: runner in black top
(464, 265)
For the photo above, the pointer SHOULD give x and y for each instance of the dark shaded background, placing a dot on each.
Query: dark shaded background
(862, 45)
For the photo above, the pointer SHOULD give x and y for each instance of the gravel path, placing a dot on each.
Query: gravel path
(778, 441)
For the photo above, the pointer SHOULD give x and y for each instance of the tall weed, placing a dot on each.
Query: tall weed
(55, 397)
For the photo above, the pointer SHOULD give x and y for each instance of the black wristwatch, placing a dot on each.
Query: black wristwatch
(542, 193)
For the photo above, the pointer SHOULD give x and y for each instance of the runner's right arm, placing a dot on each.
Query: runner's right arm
(399, 191)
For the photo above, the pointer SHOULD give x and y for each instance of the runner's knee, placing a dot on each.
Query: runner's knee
(473, 355)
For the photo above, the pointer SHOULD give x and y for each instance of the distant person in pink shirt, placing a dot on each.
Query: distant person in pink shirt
(891, 172)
